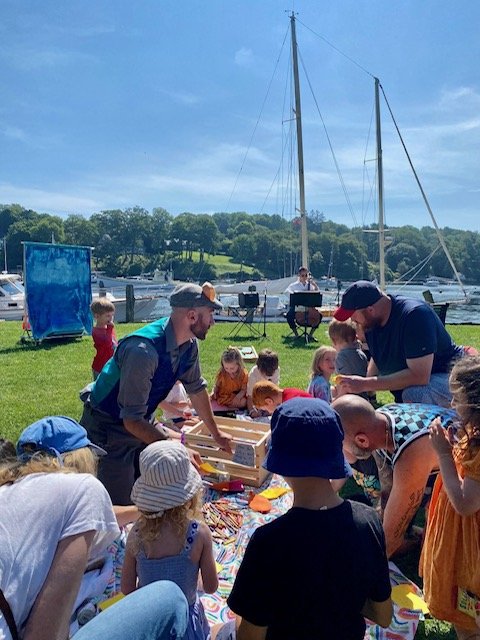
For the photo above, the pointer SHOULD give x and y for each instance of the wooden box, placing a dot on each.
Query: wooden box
(249, 447)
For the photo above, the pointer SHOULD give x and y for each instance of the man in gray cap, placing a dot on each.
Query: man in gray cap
(119, 410)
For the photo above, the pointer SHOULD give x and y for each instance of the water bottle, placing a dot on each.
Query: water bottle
(223, 475)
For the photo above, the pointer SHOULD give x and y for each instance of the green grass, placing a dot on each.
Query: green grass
(223, 264)
(45, 380)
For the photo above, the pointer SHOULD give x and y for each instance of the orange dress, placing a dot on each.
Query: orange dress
(451, 551)
(226, 388)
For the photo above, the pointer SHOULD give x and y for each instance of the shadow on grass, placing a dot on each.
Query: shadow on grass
(29, 344)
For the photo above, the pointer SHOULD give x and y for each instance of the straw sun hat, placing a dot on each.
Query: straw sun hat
(167, 478)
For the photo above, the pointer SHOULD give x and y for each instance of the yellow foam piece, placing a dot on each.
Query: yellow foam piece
(108, 603)
(403, 595)
(218, 566)
(207, 467)
(274, 492)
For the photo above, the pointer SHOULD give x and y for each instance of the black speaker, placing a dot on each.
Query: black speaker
(248, 300)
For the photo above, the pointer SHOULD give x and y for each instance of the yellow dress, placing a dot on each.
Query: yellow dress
(451, 552)
(226, 387)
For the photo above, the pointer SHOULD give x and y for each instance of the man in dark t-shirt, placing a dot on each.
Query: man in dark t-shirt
(411, 350)
(316, 571)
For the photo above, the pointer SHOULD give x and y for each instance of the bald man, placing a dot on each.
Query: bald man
(398, 434)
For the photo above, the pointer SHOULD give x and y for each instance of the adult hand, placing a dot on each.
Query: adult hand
(351, 384)
(439, 438)
(223, 440)
(195, 458)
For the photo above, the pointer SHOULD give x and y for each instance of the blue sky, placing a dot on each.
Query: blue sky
(111, 104)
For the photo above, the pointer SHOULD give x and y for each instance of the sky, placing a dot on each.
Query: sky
(183, 104)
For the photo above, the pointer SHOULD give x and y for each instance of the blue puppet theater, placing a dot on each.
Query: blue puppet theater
(58, 289)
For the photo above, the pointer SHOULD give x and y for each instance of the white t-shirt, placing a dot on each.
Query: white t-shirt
(36, 513)
(178, 396)
(256, 375)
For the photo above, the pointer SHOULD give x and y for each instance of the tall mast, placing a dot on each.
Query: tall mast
(298, 118)
(381, 228)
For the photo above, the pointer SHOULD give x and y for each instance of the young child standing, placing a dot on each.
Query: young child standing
(350, 360)
(230, 390)
(334, 566)
(103, 333)
(169, 542)
(450, 557)
(266, 369)
(323, 366)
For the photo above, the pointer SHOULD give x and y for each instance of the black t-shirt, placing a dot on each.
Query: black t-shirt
(308, 574)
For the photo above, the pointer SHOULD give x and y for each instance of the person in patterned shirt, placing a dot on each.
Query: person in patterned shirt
(397, 435)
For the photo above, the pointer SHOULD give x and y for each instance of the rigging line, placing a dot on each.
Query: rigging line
(366, 175)
(336, 48)
(258, 120)
(420, 266)
(425, 199)
(339, 173)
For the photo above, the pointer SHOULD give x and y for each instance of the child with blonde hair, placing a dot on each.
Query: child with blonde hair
(450, 557)
(230, 390)
(103, 333)
(323, 366)
(169, 541)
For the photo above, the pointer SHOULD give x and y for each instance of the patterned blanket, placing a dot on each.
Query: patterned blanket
(229, 550)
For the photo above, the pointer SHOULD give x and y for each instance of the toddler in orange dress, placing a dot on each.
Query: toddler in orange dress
(230, 390)
(450, 560)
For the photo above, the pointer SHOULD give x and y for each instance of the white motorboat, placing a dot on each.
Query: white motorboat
(12, 296)
(474, 296)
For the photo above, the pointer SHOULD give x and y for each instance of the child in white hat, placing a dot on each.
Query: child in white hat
(169, 542)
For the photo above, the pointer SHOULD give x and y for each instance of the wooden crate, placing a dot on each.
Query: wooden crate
(249, 444)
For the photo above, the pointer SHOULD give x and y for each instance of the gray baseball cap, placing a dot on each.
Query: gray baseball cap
(189, 296)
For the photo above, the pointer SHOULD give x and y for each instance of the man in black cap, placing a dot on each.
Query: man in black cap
(411, 350)
(119, 410)
(327, 553)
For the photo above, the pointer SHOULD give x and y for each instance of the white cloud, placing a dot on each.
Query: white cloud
(15, 133)
(48, 201)
(244, 57)
(182, 97)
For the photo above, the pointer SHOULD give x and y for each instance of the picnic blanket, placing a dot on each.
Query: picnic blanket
(229, 547)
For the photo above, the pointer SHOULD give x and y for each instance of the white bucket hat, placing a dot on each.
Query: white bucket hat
(167, 478)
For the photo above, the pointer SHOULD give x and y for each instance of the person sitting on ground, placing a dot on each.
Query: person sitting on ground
(230, 390)
(406, 461)
(53, 521)
(267, 396)
(323, 366)
(350, 360)
(103, 333)
(334, 567)
(411, 351)
(170, 541)
(266, 369)
(302, 284)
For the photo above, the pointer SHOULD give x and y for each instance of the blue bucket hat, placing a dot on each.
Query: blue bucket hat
(307, 439)
(54, 435)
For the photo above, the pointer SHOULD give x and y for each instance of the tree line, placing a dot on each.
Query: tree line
(133, 241)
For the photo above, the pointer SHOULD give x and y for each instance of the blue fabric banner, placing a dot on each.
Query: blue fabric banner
(58, 289)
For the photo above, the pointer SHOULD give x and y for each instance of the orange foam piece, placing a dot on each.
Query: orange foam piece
(259, 503)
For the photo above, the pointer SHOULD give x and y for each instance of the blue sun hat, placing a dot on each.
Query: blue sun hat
(307, 440)
(55, 435)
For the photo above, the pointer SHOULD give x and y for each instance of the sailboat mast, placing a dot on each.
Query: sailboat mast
(381, 228)
(298, 118)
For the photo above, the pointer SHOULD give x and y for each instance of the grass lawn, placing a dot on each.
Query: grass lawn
(223, 264)
(45, 380)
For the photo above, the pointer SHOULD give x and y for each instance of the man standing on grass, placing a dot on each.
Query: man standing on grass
(119, 410)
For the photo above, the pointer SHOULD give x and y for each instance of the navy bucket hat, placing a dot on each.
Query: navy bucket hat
(55, 435)
(307, 440)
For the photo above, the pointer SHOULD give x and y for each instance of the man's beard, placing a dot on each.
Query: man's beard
(358, 452)
(199, 329)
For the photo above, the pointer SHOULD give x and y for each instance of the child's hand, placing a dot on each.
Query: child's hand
(439, 438)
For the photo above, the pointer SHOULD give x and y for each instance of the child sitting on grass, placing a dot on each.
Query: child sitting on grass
(267, 396)
(230, 390)
(323, 366)
(266, 369)
(177, 408)
(103, 333)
